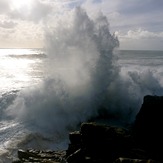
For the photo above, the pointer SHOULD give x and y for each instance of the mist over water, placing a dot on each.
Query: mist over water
(83, 79)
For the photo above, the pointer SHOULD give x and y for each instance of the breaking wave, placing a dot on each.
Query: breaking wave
(83, 80)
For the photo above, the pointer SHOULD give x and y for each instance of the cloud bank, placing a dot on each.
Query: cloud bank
(124, 17)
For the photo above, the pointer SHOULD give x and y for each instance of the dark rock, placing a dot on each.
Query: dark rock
(103, 140)
(75, 142)
(41, 156)
(24, 154)
(148, 126)
(76, 157)
(75, 137)
(129, 160)
(100, 143)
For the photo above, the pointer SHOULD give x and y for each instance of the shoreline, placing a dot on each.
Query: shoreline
(97, 143)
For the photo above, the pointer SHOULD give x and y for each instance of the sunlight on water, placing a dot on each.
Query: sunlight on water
(16, 51)
(18, 68)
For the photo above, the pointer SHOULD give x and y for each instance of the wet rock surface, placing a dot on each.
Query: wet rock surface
(32, 155)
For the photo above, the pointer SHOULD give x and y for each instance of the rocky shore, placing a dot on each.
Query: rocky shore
(101, 143)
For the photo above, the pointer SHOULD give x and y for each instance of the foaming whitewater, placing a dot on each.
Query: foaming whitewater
(83, 81)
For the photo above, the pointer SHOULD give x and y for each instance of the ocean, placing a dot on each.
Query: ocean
(29, 97)
(80, 75)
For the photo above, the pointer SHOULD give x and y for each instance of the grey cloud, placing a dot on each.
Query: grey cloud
(4, 6)
(97, 1)
(146, 14)
(36, 12)
(39, 11)
(7, 24)
(140, 7)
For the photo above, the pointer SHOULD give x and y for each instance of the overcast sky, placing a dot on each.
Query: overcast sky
(137, 23)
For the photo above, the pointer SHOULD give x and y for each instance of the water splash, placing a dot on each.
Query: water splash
(83, 79)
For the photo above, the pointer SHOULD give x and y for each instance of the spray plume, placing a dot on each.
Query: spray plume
(82, 78)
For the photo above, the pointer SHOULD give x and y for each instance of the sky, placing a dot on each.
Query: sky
(138, 24)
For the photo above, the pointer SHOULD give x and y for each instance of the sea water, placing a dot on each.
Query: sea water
(79, 75)
(22, 70)
(19, 69)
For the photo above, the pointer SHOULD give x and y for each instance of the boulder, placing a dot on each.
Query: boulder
(147, 129)
(102, 143)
